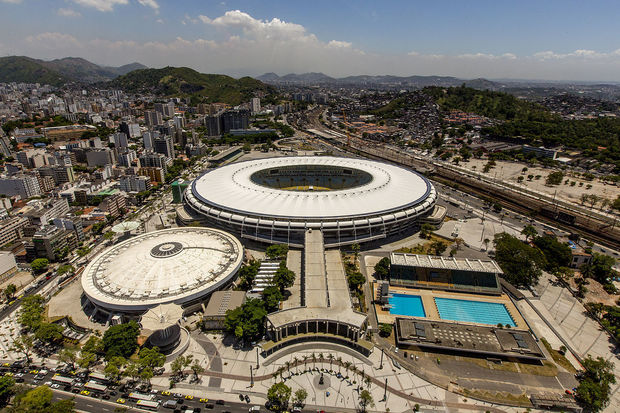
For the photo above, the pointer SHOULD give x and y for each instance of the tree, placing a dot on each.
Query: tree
(247, 273)
(272, 297)
(10, 291)
(530, 232)
(385, 330)
(284, 278)
(7, 388)
(63, 269)
(23, 345)
(31, 313)
(151, 358)
(438, 247)
(601, 267)
(279, 395)
(366, 400)
(557, 254)
(616, 204)
(593, 390)
(382, 268)
(356, 280)
(121, 340)
(555, 178)
(520, 263)
(197, 369)
(93, 345)
(177, 366)
(299, 399)
(39, 400)
(86, 360)
(69, 357)
(356, 249)
(39, 265)
(249, 319)
(276, 251)
(49, 333)
(113, 369)
(425, 230)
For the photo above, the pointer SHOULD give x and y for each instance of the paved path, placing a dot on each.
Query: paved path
(585, 335)
(214, 357)
(379, 383)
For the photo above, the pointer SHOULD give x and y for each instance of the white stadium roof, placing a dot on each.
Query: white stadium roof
(391, 188)
(174, 265)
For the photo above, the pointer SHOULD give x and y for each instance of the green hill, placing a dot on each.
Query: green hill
(59, 71)
(183, 81)
(27, 70)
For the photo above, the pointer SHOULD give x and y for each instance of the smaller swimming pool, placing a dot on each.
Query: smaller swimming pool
(405, 304)
(481, 312)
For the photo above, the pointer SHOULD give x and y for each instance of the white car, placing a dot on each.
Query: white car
(55, 386)
(47, 383)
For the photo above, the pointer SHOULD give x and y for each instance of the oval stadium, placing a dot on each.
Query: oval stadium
(275, 200)
(178, 265)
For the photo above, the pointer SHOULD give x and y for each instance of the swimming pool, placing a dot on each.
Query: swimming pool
(481, 312)
(405, 304)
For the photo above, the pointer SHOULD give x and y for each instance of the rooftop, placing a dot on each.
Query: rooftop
(172, 265)
(449, 263)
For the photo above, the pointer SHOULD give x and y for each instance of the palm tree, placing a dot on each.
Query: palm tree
(313, 360)
(339, 359)
(288, 366)
(347, 364)
(296, 362)
(305, 359)
(330, 356)
(368, 381)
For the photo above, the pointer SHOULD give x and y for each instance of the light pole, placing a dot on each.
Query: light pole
(385, 391)
(251, 377)
(257, 362)
(381, 363)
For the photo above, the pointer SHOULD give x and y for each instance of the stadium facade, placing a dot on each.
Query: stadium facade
(276, 200)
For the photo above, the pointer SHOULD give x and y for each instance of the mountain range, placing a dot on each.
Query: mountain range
(314, 78)
(59, 71)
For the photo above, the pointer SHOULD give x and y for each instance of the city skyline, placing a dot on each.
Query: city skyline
(550, 41)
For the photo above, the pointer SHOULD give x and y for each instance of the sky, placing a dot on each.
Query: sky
(526, 39)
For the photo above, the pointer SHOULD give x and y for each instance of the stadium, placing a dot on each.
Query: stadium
(182, 266)
(275, 200)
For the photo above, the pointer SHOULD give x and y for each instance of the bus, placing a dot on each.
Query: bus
(142, 396)
(148, 405)
(100, 378)
(58, 379)
(96, 387)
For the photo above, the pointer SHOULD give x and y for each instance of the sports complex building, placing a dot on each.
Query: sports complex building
(182, 266)
(276, 200)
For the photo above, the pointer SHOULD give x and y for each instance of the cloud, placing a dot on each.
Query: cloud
(338, 44)
(150, 3)
(108, 5)
(11, 1)
(68, 13)
(160, 21)
(238, 44)
(101, 5)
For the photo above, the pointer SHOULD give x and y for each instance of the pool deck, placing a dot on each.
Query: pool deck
(428, 300)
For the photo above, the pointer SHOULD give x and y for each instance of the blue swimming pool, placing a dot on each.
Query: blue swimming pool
(404, 304)
(481, 312)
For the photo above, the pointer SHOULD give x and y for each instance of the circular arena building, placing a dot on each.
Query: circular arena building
(275, 200)
(178, 265)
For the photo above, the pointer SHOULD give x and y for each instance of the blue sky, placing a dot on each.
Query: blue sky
(556, 40)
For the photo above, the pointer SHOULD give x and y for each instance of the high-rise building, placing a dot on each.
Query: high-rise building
(134, 183)
(147, 139)
(213, 123)
(130, 129)
(166, 109)
(126, 158)
(164, 146)
(100, 157)
(155, 160)
(25, 186)
(152, 118)
(255, 105)
(120, 140)
(235, 119)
